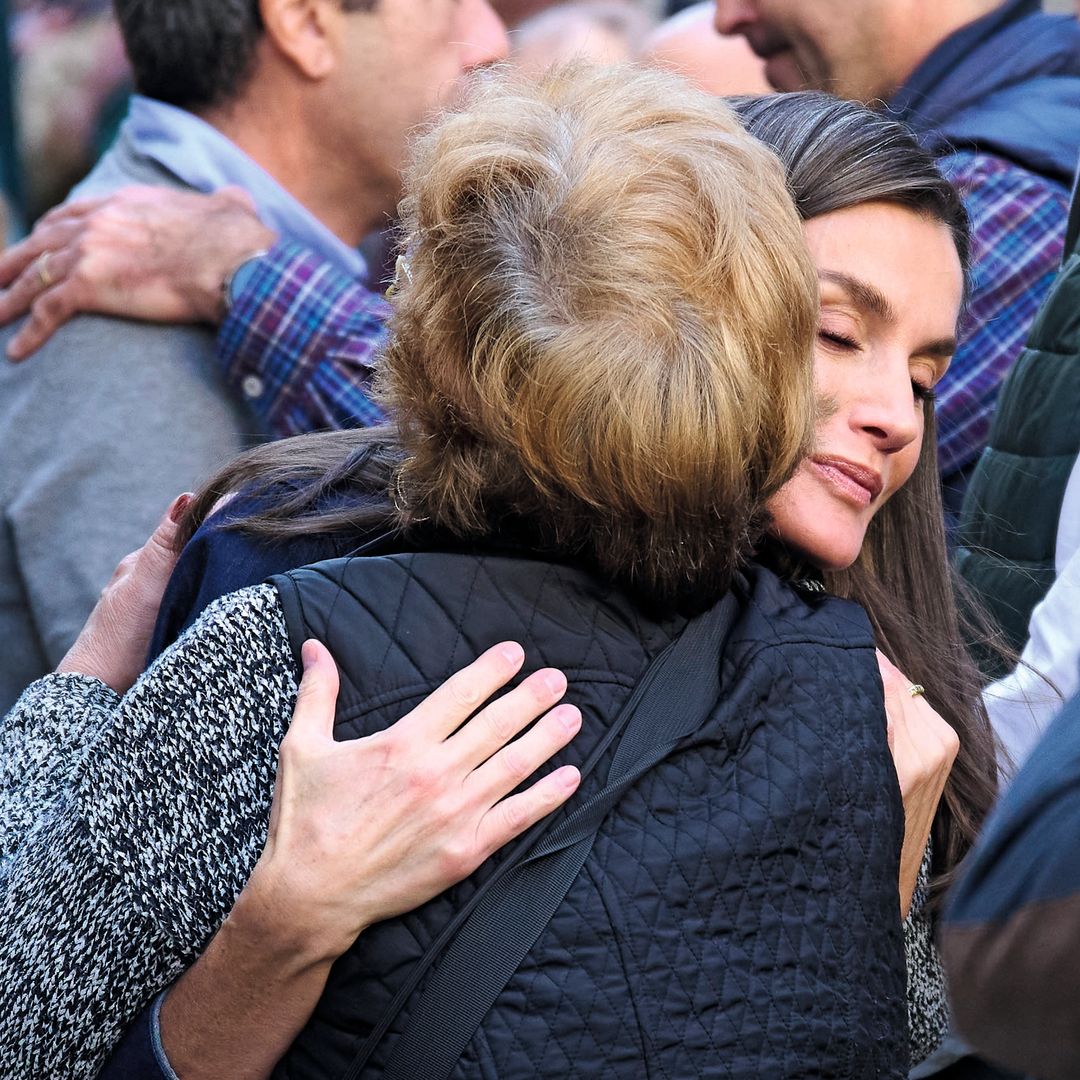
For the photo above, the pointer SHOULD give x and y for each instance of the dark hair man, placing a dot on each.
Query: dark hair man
(306, 104)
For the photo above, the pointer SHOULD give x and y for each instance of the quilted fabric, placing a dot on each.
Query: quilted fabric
(737, 916)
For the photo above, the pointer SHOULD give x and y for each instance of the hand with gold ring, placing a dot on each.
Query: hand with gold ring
(924, 748)
(141, 253)
(42, 266)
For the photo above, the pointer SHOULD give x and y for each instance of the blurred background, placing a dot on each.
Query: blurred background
(64, 80)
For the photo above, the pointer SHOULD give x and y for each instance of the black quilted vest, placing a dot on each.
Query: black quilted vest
(737, 916)
(1009, 523)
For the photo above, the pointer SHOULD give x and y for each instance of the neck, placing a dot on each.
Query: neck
(924, 26)
(305, 170)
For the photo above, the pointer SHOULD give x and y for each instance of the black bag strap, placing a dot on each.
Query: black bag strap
(672, 700)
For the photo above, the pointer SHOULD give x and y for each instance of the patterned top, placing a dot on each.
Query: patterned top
(129, 826)
(1018, 237)
(300, 341)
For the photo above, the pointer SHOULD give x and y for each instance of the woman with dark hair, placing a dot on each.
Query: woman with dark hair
(530, 423)
(839, 157)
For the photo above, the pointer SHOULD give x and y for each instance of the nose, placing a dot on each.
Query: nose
(888, 411)
(484, 40)
(733, 16)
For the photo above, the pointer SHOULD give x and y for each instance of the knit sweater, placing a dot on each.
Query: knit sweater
(126, 835)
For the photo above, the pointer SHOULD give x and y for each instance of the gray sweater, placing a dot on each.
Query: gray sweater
(98, 432)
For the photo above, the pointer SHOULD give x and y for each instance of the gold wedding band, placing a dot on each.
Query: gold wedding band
(916, 689)
(43, 274)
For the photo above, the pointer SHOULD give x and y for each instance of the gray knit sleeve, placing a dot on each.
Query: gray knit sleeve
(927, 997)
(127, 870)
(42, 740)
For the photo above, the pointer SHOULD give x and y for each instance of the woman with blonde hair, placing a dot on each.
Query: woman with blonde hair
(600, 374)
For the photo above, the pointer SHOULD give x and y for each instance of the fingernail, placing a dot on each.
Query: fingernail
(512, 652)
(307, 653)
(570, 718)
(568, 777)
(179, 505)
(555, 681)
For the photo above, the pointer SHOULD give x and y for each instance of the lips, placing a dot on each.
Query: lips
(856, 483)
(766, 46)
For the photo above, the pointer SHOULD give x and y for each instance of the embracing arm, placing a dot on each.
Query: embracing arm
(431, 808)
(114, 890)
(298, 342)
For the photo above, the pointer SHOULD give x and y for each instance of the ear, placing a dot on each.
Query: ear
(305, 32)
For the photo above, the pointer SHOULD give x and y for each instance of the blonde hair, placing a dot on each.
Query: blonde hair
(605, 335)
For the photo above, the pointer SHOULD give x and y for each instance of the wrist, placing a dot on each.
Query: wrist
(279, 914)
(214, 299)
(85, 658)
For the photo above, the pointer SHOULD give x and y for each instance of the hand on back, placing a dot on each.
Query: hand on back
(365, 829)
(141, 253)
(924, 748)
(113, 644)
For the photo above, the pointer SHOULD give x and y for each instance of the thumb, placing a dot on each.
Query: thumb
(158, 555)
(314, 712)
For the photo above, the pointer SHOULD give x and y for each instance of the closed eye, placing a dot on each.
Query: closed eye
(840, 341)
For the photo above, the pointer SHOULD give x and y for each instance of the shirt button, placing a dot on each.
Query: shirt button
(252, 386)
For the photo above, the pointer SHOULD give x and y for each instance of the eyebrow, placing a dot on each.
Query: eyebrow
(873, 300)
(863, 293)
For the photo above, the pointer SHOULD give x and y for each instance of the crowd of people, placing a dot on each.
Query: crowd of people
(615, 612)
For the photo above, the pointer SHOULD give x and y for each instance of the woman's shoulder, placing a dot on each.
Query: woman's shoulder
(776, 611)
(221, 558)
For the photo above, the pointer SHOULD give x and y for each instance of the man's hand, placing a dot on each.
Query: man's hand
(366, 829)
(112, 646)
(142, 253)
(924, 748)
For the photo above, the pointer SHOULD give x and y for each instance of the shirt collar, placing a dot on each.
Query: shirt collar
(201, 157)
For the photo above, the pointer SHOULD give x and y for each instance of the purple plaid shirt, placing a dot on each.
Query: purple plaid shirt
(1018, 236)
(300, 343)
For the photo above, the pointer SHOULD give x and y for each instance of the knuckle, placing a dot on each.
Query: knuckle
(514, 814)
(290, 751)
(425, 779)
(457, 859)
(502, 724)
(463, 697)
(515, 764)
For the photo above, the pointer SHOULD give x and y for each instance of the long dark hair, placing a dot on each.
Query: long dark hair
(838, 154)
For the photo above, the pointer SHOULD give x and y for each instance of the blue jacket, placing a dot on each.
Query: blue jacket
(1011, 937)
(1007, 84)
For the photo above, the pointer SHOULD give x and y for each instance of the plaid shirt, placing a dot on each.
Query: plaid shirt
(1018, 236)
(300, 344)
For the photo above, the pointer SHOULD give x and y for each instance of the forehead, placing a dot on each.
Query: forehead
(907, 257)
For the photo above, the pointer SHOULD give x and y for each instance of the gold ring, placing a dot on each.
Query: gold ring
(43, 274)
(916, 689)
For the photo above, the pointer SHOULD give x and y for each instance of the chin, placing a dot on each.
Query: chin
(830, 552)
(833, 560)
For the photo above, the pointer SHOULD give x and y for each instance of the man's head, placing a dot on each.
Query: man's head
(332, 87)
(860, 50)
